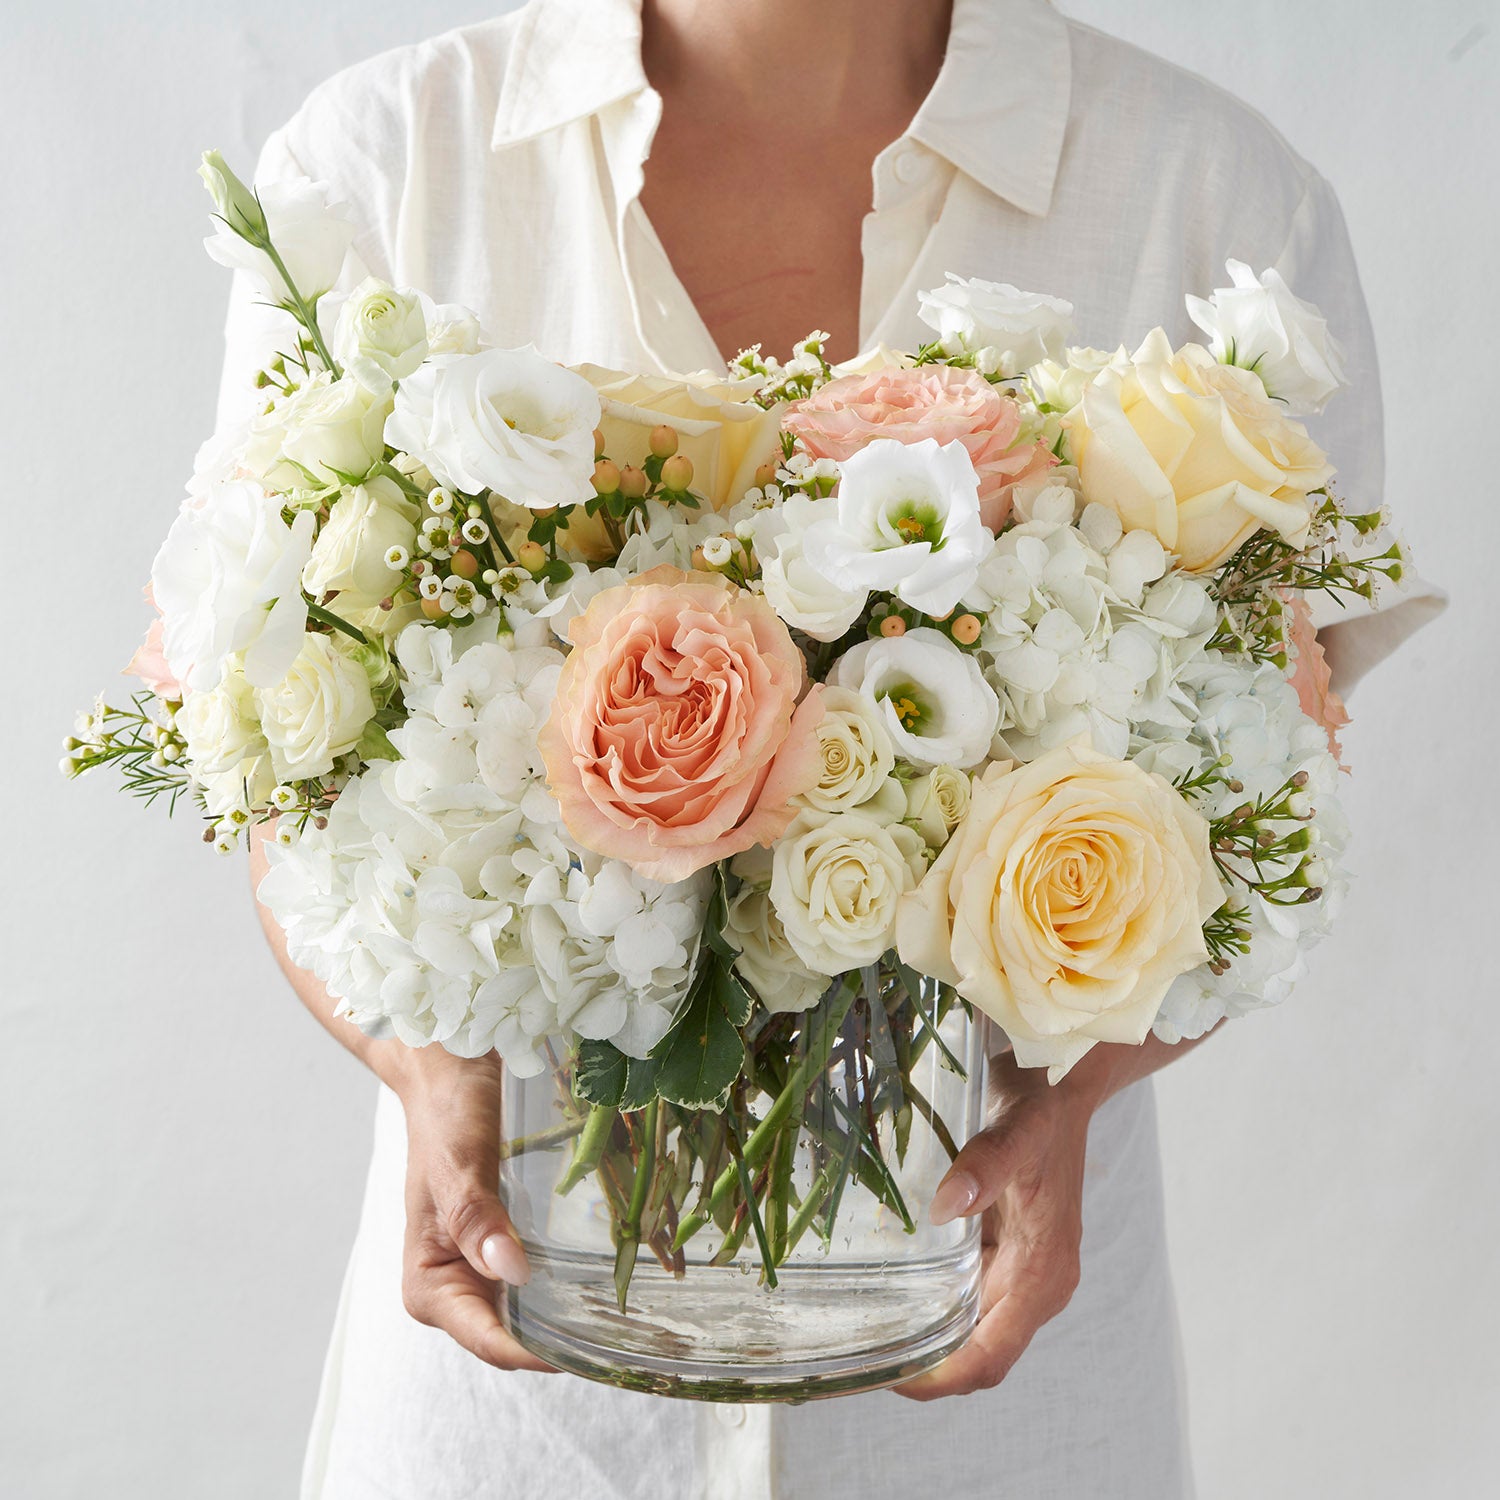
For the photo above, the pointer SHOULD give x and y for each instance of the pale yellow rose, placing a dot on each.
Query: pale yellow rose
(724, 433)
(1195, 452)
(1071, 896)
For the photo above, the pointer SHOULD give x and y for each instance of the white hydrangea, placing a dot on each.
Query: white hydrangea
(1250, 713)
(1086, 631)
(443, 901)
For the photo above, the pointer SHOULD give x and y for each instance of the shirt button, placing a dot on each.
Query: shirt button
(732, 1415)
(909, 165)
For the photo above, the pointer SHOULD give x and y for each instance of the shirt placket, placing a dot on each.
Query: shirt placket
(735, 1448)
(910, 186)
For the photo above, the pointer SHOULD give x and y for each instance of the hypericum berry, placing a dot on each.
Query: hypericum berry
(598, 442)
(663, 440)
(633, 482)
(465, 564)
(766, 473)
(677, 473)
(966, 629)
(532, 556)
(606, 477)
(893, 625)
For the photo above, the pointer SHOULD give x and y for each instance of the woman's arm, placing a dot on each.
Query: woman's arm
(459, 1240)
(1024, 1173)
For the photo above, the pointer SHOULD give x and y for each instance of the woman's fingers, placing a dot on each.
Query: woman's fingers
(977, 1177)
(452, 1296)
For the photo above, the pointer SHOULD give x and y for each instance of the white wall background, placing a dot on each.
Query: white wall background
(181, 1152)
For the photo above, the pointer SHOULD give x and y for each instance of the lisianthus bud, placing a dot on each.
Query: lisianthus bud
(237, 205)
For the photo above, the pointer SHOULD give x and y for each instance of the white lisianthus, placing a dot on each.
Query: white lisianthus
(767, 962)
(311, 235)
(802, 595)
(381, 335)
(906, 522)
(226, 579)
(348, 558)
(505, 420)
(836, 882)
(856, 750)
(323, 431)
(936, 803)
(318, 711)
(1261, 325)
(932, 697)
(969, 315)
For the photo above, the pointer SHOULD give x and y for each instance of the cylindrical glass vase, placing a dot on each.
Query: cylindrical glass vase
(652, 1266)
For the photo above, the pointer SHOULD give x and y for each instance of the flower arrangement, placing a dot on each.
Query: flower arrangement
(685, 737)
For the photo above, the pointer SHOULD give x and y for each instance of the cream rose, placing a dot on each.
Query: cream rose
(857, 753)
(1071, 897)
(381, 336)
(325, 429)
(836, 883)
(319, 709)
(725, 434)
(348, 558)
(1194, 452)
(937, 803)
(220, 726)
(766, 961)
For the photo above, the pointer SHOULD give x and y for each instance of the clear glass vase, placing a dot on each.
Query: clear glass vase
(654, 1269)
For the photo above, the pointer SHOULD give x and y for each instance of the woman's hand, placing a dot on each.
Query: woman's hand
(459, 1239)
(1024, 1173)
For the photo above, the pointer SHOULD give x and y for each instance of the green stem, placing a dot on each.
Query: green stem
(541, 1140)
(629, 1242)
(590, 1148)
(328, 618)
(742, 1167)
(483, 502)
(305, 312)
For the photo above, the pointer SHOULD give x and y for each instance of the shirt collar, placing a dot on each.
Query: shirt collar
(998, 111)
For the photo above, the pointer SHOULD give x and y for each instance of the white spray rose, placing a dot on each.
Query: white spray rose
(906, 522)
(836, 882)
(1260, 325)
(969, 315)
(227, 579)
(451, 327)
(937, 803)
(504, 420)
(856, 750)
(311, 235)
(348, 557)
(931, 697)
(323, 430)
(220, 726)
(381, 335)
(318, 711)
(803, 597)
(766, 962)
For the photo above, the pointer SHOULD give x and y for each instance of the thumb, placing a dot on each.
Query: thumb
(468, 1209)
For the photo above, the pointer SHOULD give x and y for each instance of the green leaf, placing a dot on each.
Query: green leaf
(714, 922)
(600, 1073)
(640, 1083)
(701, 1056)
(375, 744)
(732, 995)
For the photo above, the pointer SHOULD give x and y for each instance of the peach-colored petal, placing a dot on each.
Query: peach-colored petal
(150, 662)
(1313, 678)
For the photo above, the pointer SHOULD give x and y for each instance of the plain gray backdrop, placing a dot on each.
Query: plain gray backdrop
(181, 1152)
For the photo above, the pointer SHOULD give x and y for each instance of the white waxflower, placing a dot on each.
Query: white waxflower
(836, 882)
(969, 314)
(381, 334)
(905, 521)
(931, 697)
(505, 420)
(1258, 324)
(311, 235)
(227, 579)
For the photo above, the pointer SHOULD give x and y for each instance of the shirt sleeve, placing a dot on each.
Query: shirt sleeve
(1317, 262)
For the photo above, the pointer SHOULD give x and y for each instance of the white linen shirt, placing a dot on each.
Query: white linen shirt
(500, 166)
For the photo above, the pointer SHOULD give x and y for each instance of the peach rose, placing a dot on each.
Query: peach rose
(150, 661)
(932, 401)
(1313, 679)
(1070, 897)
(676, 739)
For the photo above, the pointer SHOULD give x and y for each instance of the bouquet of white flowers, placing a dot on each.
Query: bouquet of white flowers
(699, 742)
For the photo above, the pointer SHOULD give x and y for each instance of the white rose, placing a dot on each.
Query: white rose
(227, 579)
(906, 522)
(310, 234)
(451, 327)
(1261, 326)
(936, 803)
(803, 597)
(318, 711)
(766, 962)
(836, 882)
(348, 557)
(505, 420)
(324, 430)
(220, 725)
(931, 696)
(857, 752)
(1060, 383)
(381, 336)
(970, 314)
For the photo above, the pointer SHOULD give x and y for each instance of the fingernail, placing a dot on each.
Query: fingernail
(956, 1195)
(505, 1260)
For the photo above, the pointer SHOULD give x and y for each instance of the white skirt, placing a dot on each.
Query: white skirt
(1093, 1411)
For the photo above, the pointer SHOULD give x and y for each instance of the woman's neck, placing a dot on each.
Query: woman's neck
(829, 59)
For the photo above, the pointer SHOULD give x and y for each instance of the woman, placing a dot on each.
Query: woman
(505, 166)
